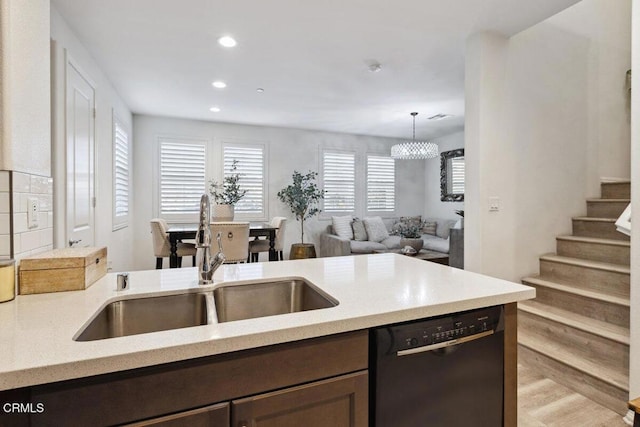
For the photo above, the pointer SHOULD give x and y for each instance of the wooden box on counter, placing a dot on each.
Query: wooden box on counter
(66, 269)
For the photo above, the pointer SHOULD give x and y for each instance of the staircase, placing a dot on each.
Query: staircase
(576, 331)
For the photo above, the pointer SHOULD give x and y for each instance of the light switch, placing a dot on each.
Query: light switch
(32, 212)
(494, 204)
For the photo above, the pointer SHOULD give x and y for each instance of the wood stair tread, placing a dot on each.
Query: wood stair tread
(581, 262)
(587, 324)
(600, 296)
(616, 181)
(609, 200)
(607, 375)
(594, 219)
(597, 240)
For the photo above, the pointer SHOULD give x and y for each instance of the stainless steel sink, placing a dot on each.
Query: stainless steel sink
(268, 298)
(142, 315)
(232, 302)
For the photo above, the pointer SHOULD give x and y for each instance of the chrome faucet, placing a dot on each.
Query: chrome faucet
(206, 264)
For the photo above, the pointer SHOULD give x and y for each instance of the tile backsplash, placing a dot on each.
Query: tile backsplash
(17, 238)
(5, 214)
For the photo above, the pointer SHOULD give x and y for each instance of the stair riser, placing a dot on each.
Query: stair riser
(603, 230)
(600, 310)
(610, 282)
(615, 190)
(593, 251)
(598, 391)
(605, 209)
(584, 345)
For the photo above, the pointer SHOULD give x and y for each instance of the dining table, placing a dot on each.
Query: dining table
(181, 231)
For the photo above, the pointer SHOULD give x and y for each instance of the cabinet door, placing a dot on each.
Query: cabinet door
(209, 416)
(336, 402)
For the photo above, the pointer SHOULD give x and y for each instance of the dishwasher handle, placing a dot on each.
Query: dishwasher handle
(444, 344)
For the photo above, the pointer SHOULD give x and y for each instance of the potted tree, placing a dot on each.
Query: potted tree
(226, 195)
(302, 197)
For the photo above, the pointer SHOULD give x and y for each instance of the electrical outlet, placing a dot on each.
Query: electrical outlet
(33, 208)
(494, 204)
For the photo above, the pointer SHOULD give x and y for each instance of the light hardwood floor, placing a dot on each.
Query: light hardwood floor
(545, 403)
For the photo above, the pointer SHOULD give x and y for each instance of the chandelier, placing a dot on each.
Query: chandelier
(414, 149)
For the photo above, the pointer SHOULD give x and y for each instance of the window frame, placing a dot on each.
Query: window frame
(328, 214)
(382, 213)
(120, 221)
(182, 217)
(264, 215)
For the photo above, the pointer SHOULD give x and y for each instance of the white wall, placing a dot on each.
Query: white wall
(24, 88)
(606, 25)
(537, 111)
(107, 100)
(289, 150)
(433, 206)
(634, 356)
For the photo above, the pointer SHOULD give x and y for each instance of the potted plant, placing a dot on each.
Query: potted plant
(302, 197)
(410, 233)
(226, 195)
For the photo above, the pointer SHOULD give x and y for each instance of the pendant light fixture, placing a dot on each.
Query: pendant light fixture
(414, 149)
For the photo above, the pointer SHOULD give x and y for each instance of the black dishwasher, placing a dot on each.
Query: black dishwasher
(442, 372)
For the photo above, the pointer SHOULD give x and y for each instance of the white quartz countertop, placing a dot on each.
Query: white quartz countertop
(36, 331)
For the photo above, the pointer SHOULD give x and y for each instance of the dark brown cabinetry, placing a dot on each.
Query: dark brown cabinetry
(336, 402)
(182, 393)
(209, 416)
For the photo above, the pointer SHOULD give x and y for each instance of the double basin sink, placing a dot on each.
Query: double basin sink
(223, 304)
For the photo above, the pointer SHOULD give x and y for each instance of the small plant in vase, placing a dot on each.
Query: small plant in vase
(226, 195)
(302, 197)
(410, 233)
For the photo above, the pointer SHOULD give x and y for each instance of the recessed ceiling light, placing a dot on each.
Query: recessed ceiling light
(227, 41)
(259, 90)
(214, 109)
(219, 84)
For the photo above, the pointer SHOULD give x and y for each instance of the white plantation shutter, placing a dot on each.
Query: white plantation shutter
(182, 177)
(338, 178)
(457, 175)
(251, 169)
(381, 183)
(121, 171)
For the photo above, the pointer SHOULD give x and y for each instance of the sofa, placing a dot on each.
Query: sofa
(332, 244)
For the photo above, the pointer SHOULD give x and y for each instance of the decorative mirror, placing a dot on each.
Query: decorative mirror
(452, 176)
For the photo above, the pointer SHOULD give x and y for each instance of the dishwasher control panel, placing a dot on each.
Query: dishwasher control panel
(446, 328)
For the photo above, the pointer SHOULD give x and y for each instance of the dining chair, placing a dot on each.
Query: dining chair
(162, 246)
(262, 245)
(235, 240)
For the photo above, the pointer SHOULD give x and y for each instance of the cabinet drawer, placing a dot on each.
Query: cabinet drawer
(170, 388)
(209, 416)
(336, 402)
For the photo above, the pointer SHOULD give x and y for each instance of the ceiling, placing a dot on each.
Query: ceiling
(311, 58)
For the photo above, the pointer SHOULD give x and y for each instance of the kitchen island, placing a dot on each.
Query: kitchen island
(372, 290)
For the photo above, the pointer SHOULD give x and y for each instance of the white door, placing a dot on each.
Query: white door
(80, 123)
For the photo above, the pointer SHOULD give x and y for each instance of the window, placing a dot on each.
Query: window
(121, 169)
(338, 179)
(457, 175)
(182, 177)
(251, 169)
(381, 182)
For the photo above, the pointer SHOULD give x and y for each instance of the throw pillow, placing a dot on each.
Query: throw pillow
(376, 230)
(429, 228)
(359, 232)
(342, 226)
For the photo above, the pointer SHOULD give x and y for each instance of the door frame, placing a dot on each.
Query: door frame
(61, 61)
